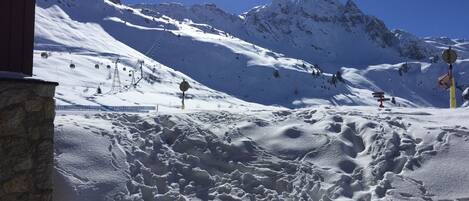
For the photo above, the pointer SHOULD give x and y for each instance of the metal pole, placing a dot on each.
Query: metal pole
(183, 96)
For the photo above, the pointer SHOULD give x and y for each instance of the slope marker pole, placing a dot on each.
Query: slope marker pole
(450, 56)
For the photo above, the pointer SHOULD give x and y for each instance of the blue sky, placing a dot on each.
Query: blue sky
(421, 17)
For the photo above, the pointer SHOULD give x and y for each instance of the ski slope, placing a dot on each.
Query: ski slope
(69, 42)
(232, 69)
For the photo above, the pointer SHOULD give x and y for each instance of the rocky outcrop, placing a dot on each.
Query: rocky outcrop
(116, 1)
(27, 112)
(413, 47)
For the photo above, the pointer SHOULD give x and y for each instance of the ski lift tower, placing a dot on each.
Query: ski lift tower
(116, 81)
(133, 82)
(141, 63)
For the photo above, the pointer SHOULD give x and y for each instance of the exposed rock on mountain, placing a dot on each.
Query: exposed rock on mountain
(320, 31)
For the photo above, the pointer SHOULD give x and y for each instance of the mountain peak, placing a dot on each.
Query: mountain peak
(312, 7)
(352, 8)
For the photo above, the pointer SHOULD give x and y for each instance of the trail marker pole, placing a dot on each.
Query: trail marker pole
(450, 56)
(381, 98)
(184, 86)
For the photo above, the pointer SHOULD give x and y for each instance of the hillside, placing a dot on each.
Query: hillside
(263, 119)
(230, 68)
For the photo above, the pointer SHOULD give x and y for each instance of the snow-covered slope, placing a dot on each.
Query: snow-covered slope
(229, 144)
(222, 65)
(461, 45)
(340, 153)
(73, 33)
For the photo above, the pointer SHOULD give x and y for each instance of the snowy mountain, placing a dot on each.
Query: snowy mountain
(318, 31)
(461, 45)
(237, 139)
(233, 64)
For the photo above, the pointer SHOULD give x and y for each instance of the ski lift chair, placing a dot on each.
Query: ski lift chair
(44, 55)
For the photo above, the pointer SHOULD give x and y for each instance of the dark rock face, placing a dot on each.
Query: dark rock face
(116, 1)
(320, 12)
(27, 112)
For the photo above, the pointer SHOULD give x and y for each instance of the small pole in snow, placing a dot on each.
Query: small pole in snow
(184, 86)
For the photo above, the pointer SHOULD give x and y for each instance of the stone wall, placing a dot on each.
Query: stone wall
(27, 112)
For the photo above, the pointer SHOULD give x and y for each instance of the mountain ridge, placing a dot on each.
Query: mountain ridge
(267, 27)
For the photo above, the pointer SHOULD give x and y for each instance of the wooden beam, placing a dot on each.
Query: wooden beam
(17, 38)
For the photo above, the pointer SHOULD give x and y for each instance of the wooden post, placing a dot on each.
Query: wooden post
(17, 36)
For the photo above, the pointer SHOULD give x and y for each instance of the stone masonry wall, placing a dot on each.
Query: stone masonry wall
(27, 112)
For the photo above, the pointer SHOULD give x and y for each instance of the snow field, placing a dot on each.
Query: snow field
(329, 153)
